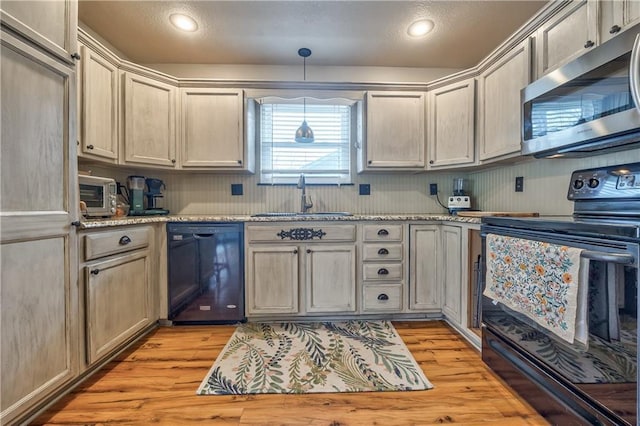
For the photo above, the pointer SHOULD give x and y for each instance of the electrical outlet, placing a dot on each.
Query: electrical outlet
(519, 183)
(433, 189)
(236, 189)
(365, 189)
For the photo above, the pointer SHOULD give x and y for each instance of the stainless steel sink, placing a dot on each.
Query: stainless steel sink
(298, 214)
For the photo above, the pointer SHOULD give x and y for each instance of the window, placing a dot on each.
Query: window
(327, 160)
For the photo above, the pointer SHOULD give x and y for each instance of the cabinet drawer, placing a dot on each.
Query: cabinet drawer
(383, 271)
(387, 297)
(111, 242)
(382, 252)
(301, 231)
(383, 232)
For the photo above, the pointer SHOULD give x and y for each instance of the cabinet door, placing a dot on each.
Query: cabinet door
(499, 118)
(117, 302)
(424, 261)
(395, 131)
(149, 121)
(212, 129)
(569, 34)
(451, 124)
(331, 278)
(99, 120)
(38, 254)
(452, 273)
(51, 24)
(272, 279)
(617, 16)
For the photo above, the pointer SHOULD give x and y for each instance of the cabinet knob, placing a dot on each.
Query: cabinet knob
(75, 223)
(308, 250)
(383, 251)
(430, 161)
(383, 296)
(369, 162)
(383, 232)
(89, 146)
(295, 251)
(76, 56)
(95, 271)
(383, 271)
(173, 161)
(239, 161)
(589, 44)
(124, 240)
(615, 29)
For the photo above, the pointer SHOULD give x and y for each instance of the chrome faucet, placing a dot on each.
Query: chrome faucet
(305, 201)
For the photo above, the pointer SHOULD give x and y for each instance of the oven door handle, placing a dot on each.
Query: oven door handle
(623, 259)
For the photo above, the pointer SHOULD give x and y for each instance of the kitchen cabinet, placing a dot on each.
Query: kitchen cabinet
(300, 268)
(149, 121)
(424, 261)
(451, 273)
(383, 268)
(451, 125)
(499, 121)
(393, 135)
(98, 106)
(39, 324)
(567, 35)
(617, 16)
(212, 129)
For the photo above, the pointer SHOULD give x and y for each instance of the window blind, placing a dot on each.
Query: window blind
(326, 160)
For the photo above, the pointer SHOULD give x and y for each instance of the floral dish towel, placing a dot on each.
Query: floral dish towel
(541, 281)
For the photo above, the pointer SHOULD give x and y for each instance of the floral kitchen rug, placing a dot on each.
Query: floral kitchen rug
(351, 356)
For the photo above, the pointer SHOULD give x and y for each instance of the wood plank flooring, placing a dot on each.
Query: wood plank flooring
(155, 383)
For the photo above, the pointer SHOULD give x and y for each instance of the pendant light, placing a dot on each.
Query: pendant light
(304, 134)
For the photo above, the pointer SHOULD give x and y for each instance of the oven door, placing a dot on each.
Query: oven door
(601, 373)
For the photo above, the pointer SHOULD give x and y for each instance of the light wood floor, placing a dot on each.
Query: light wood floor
(155, 383)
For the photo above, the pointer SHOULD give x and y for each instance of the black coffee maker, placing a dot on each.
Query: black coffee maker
(154, 191)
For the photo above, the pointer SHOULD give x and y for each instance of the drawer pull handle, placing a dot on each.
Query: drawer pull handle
(383, 271)
(95, 271)
(589, 44)
(615, 29)
(383, 296)
(89, 146)
(383, 232)
(383, 251)
(124, 241)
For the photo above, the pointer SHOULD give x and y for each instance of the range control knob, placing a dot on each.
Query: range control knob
(593, 182)
(578, 184)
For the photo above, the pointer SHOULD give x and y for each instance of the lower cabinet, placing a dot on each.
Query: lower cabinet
(452, 261)
(330, 278)
(117, 287)
(424, 280)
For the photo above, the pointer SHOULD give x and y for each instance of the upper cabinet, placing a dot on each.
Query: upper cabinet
(98, 106)
(451, 125)
(393, 136)
(569, 34)
(617, 16)
(149, 121)
(50, 24)
(498, 130)
(212, 132)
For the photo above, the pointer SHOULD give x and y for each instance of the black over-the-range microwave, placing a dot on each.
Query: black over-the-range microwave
(590, 105)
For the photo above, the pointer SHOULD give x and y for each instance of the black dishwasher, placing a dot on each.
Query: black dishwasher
(206, 273)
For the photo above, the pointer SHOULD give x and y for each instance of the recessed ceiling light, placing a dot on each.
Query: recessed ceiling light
(420, 28)
(184, 22)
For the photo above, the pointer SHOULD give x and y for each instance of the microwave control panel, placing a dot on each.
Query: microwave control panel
(606, 182)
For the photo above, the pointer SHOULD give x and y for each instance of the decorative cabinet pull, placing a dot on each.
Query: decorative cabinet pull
(301, 234)
(615, 29)
(76, 56)
(89, 146)
(308, 250)
(383, 296)
(124, 241)
(383, 271)
(95, 271)
(295, 251)
(383, 232)
(383, 251)
(589, 44)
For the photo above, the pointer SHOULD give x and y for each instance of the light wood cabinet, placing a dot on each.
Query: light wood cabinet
(451, 125)
(330, 272)
(451, 274)
(98, 124)
(393, 135)
(39, 324)
(569, 34)
(617, 16)
(499, 121)
(51, 25)
(424, 262)
(149, 121)
(212, 132)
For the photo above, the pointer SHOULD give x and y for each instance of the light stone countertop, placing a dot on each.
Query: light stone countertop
(136, 220)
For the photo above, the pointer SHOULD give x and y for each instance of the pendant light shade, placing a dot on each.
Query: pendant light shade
(304, 134)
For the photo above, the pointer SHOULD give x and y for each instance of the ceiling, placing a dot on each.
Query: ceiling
(339, 33)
